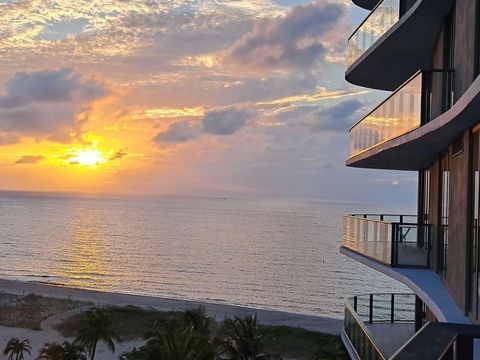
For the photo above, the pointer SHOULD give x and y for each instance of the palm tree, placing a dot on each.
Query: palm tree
(15, 349)
(97, 327)
(51, 351)
(73, 351)
(65, 351)
(198, 320)
(172, 341)
(243, 341)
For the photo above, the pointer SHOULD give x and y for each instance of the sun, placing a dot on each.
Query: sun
(88, 157)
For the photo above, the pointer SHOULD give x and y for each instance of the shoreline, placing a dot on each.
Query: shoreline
(217, 310)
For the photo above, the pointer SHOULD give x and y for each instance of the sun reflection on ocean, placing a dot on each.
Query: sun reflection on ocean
(85, 262)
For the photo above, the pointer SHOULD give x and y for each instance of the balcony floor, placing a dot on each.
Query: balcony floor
(408, 255)
(391, 337)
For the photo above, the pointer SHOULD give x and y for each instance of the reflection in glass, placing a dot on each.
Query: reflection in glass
(422, 98)
(382, 18)
(398, 115)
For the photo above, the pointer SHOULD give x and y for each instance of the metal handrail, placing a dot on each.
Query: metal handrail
(371, 305)
(381, 293)
(363, 217)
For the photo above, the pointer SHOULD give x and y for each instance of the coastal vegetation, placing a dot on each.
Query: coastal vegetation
(193, 329)
(30, 310)
(64, 351)
(16, 349)
(180, 335)
(96, 327)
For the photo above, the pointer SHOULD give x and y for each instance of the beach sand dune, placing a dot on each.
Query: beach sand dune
(217, 310)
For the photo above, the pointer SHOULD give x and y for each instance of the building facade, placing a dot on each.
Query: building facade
(427, 52)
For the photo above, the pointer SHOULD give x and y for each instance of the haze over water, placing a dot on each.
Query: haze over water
(276, 254)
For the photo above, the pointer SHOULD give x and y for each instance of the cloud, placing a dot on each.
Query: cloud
(226, 121)
(8, 139)
(220, 121)
(119, 154)
(295, 40)
(46, 103)
(48, 87)
(179, 132)
(30, 159)
(336, 118)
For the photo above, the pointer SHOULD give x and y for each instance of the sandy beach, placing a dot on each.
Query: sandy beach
(217, 310)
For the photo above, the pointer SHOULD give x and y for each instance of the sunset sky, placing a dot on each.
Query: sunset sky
(193, 97)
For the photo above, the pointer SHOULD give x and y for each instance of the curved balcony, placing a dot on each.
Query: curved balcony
(392, 326)
(387, 44)
(417, 149)
(366, 4)
(392, 240)
(415, 103)
(377, 325)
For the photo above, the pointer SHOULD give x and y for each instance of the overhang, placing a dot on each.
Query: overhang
(419, 148)
(426, 284)
(404, 49)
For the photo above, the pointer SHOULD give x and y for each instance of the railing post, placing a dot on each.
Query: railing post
(428, 231)
(370, 310)
(393, 262)
(425, 103)
(418, 313)
(355, 304)
(392, 309)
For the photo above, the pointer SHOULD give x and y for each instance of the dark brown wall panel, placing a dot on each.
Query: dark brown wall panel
(464, 45)
(457, 260)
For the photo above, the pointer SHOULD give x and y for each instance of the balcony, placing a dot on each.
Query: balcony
(392, 240)
(381, 19)
(377, 325)
(392, 326)
(422, 98)
(385, 49)
(419, 148)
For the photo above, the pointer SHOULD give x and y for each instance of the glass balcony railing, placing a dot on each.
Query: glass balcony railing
(394, 240)
(383, 17)
(369, 317)
(422, 98)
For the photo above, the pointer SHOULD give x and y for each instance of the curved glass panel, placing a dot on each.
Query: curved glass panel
(382, 18)
(397, 115)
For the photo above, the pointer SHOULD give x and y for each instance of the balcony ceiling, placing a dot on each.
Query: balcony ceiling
(403, 50)
(366, 4)
(419, 148)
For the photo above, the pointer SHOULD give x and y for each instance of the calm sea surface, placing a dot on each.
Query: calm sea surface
(262, 253)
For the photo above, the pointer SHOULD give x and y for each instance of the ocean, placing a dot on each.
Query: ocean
(271, 254)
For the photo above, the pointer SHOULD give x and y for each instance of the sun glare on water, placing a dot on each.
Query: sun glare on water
(88, 157)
